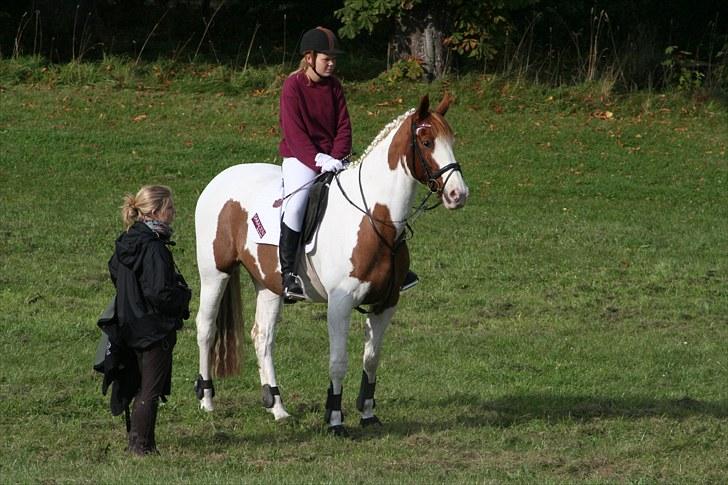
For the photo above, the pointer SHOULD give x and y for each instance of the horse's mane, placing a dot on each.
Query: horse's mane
(382, 135)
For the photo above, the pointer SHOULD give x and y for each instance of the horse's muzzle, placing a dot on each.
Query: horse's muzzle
(455, 198)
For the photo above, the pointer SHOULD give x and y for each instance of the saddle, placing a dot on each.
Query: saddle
(318, 198)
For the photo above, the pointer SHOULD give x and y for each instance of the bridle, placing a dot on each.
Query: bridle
(432, 182)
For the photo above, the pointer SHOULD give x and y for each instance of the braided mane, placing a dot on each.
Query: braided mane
(382, 135)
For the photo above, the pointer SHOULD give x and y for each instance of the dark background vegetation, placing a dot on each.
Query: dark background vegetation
(639, 43)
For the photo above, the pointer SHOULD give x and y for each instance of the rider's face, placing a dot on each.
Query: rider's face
(325, 64)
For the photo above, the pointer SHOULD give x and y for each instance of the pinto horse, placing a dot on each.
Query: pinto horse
(360, 256)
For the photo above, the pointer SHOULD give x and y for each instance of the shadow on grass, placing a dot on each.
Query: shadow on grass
(513, 410)
(474, 412)
(263, 432)
(508, 411)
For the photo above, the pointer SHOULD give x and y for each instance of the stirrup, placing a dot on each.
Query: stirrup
(292, 288)
(410, 280)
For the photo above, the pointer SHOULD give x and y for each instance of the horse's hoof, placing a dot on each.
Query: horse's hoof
(373, 421)
(339, 431)
(279, 415)
(206, 405)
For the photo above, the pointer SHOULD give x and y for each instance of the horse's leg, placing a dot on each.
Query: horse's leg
(267, 309)
(338, 315)
(374, 329)
(212, 287)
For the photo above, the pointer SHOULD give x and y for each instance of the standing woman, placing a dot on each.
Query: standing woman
(151, 302)
(316, 133)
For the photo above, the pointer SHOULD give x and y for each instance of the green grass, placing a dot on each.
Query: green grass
(570, 325)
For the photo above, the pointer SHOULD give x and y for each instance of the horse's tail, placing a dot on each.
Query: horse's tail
(226, 354)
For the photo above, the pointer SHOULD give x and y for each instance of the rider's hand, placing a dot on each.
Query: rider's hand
(328, 163)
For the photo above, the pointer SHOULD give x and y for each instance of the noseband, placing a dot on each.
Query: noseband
(432, 182)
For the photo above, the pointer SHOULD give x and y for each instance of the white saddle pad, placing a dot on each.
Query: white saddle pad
(264, 218)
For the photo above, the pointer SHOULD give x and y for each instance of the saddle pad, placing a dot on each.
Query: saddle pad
(264, 219)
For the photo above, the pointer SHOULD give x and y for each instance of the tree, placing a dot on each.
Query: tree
(425, 30)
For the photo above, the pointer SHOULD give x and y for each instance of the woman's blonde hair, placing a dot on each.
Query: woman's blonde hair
(149, 199)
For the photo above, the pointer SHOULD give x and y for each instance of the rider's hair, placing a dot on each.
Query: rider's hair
(149, 199)
(303, 64)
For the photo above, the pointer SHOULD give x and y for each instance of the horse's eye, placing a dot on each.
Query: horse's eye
(427, 143)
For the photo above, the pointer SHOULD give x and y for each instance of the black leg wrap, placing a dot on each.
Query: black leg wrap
(201, 385)
(333, 403)
(339, 430)
(366, 391)
(269, 396)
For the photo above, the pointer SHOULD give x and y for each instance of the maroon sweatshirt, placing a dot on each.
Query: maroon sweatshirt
(314, 119)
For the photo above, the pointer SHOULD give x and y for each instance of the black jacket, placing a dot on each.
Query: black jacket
(152, 297)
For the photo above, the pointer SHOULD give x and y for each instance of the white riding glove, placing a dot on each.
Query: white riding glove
(328, 163)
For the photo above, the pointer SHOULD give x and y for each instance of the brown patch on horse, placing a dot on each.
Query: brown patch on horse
(372, 260)
(232, 231)
(428, 129)
(229, 248)
(400, 147)
(268, 261)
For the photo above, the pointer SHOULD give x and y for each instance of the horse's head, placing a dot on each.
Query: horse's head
(424, 144)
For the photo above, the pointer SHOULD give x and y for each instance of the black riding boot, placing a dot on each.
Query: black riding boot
(410, 280)
(287, 249)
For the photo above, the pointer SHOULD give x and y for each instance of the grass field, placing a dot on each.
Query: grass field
(571, 323)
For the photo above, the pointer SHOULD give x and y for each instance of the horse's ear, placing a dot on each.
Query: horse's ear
(424, 109)
(444, 104)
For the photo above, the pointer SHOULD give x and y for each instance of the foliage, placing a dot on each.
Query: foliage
(364, 15)
(569, 326)
(552, 41)
(626, 38)
(407, 69)
(472, 27)
(479, 28)
(682, 70)
(181, 30)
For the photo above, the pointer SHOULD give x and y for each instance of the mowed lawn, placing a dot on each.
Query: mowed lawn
(571, 324)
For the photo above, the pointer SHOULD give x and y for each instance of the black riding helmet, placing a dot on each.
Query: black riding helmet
(320, 40)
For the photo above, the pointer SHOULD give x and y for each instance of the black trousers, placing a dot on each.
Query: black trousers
(155, 368)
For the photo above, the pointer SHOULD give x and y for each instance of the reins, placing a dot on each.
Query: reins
(278, 202)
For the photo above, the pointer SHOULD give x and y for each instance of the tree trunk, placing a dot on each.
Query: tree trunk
(418, 36)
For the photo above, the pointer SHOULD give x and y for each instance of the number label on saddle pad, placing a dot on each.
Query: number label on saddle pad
(258, 226)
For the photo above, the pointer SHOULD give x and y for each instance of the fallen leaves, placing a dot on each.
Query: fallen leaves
(394, 102)
(602, 115)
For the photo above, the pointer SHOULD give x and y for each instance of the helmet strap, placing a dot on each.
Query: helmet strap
(313, 65)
